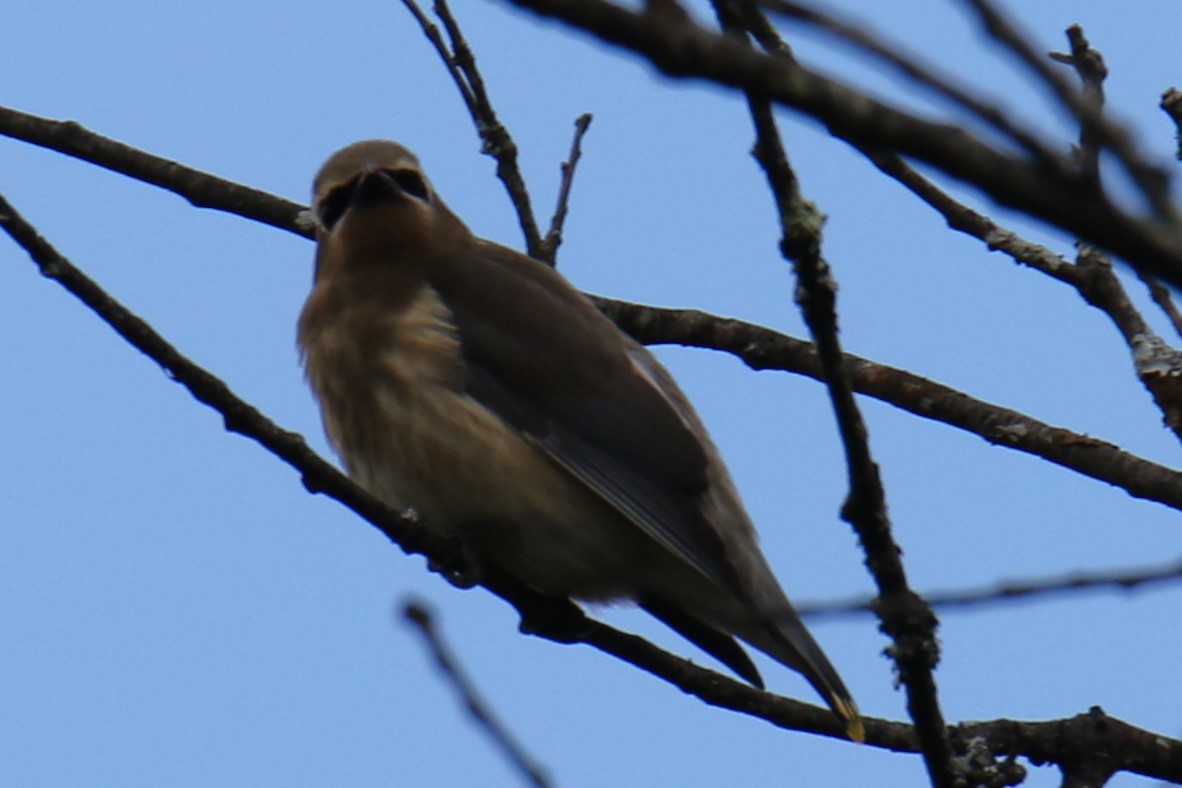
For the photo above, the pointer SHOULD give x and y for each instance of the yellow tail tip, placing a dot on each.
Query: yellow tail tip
(848, 712)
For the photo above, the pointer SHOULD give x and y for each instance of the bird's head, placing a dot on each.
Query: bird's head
(374, 206)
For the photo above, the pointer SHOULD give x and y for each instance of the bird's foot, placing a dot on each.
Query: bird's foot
(462, 570)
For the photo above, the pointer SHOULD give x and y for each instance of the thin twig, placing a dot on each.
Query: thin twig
(549, 246)
(964, 219)
(1013, 590)
(496, 141)
(1171, 104)
(445, 54)
(1089, 66)
(421, 617)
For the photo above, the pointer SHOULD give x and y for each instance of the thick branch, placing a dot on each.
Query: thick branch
(680, 48)
(924, 76)
(1102, 745)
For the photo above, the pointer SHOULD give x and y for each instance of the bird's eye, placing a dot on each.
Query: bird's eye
(333, 206)
(410, 182)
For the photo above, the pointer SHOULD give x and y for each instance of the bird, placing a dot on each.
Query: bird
(475, 385)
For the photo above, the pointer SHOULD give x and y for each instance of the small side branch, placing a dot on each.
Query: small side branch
(421, 618)
(496, 141)
(1171, 104)
(549, 246)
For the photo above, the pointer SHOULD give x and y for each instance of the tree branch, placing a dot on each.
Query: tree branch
(761, 348)
(559, 620)
(556, 620)
(904, 616)
(924, 76)
(680, 48)
(758, 347)
(1158, 366)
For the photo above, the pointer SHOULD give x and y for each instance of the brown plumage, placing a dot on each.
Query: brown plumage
(477, 386)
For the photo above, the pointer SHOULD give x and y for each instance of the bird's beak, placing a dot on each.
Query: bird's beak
(373, 186)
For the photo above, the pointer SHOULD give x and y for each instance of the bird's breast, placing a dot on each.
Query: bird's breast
(391, 385)
(387, 374)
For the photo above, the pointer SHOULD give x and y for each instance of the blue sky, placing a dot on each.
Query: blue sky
(177, 610)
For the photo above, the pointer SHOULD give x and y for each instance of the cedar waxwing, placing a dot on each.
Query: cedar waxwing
(477, 386)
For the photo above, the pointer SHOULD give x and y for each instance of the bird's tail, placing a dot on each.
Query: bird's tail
(786, 640)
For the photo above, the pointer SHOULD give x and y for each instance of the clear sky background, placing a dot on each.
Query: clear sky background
(175, 609)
